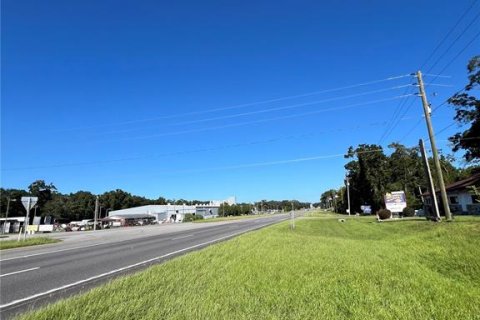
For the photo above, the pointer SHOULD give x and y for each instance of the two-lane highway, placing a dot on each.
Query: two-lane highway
(29, 279)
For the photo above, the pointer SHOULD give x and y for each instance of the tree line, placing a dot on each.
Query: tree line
(262, 206)
(371, 174)
(81, 204)
(75, 206)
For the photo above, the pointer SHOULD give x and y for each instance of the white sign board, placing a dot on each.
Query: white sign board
(26, 201)
(366, 209)
(45, 228)
(395, 201)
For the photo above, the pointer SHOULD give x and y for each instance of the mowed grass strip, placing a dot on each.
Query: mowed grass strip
(232, 218)
(324, 269)
(12, 244)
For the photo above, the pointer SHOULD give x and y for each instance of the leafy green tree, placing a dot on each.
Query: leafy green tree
(80, 205)
(16, 208)
(467, 107)
(369, 174)
(117, 199)
(328, 198)
(42, 190)
(57, 206)
(160, 201)
(406, 172)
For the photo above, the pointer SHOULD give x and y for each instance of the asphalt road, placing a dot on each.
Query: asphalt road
(30, 278)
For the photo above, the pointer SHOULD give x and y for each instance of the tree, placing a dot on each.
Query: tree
(16, 208)
(57, 206)
(117, 199)
(328, 198)
(467, 108)
(80, 205)
(406, 172)
(42, 190)
(369, 175)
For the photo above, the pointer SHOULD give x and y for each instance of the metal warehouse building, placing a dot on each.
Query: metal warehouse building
(166, 213)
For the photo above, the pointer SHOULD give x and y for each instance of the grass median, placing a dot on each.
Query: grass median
(324, 269)
(12, 244)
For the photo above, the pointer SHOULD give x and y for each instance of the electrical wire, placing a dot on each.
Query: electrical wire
(459, 53)
(462, 33)
(448, 33)
(393, 118)
(264, 164)
(199, 150)
(193, 113)
(435, 75)
(257, 121)
(256, 112)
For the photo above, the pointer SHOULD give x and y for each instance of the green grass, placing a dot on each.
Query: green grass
(11, 244)
(231, 218)
(324, 269)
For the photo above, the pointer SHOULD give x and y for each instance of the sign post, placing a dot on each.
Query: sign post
(28, 203)
(292, 216)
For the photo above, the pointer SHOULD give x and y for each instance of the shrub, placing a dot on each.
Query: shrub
(192, 217)
(384, 214)
(408, 212)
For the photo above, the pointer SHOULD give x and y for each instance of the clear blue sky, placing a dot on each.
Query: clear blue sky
(159, 98)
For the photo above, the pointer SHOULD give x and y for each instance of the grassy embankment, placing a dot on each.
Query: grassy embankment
(324, 269)
(11, 244)
(231, 218)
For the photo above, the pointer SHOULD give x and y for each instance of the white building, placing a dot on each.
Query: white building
(171, 212)
(460, 198)
(161, 213)
(230, 201)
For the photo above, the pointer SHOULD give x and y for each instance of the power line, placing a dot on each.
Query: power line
(437, 85)
(261, 120)
(460, 52)
(394, 126)
(454, 42)
(411, 130)
(448, 33)
(439, 75)
(444, 129)
(420, 120)
(393, 118)
(179, 115)
(294, 106)
(269, 163)
(435, 75)
(199, 150)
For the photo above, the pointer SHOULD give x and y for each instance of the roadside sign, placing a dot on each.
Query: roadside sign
(395, 201)
(32, 228)
(36, 220)
(26, 201)
(366, 209)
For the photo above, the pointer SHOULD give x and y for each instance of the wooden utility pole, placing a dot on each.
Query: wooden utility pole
(292, 222)
(428, 174)
(95, 214)
(436, 160)
(347, 182)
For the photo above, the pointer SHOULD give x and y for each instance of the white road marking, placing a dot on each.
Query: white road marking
(55, 251)
(189, 235)
(38, 295)
(16, 272)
